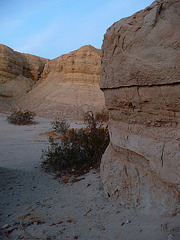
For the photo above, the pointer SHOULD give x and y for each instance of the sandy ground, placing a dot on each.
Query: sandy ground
(35, 205)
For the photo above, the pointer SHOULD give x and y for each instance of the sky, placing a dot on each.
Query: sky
(50, 28)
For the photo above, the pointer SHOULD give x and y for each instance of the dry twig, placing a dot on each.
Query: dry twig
(31, 238)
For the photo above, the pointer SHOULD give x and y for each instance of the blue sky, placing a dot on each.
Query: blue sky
(50, 28)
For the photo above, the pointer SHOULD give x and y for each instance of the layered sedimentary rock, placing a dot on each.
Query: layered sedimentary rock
(63, 87)
(69, 86)
(18, 73)
(141, 82)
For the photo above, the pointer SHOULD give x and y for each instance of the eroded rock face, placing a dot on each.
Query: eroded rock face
(141, 82)
(14, 64)
(69, 86)
(18, 73)
(66, 86)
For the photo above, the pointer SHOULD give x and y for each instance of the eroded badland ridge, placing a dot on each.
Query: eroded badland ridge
(140, 77)
(66, 86)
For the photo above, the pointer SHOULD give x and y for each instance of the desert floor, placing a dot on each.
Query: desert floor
(35, 205)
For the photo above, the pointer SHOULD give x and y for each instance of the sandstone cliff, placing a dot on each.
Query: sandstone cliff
(141, 82)
(69, 86)
(18, 73)
(63, 87)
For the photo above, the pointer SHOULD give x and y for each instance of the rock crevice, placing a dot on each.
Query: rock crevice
(139, 86)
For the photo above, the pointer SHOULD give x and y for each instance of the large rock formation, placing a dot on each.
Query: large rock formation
(18, 73)
(141, 82)
(69, 86)
(63, 87)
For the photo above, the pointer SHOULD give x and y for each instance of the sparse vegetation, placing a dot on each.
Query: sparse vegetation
(78, 150)
(21, 117)
(60, 126)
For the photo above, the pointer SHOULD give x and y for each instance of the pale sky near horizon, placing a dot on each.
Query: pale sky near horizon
(50, 28)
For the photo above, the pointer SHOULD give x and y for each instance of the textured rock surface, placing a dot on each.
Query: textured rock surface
(141, 82)
(69, 86)
(63, 87)
(18, 73)
(14, 64)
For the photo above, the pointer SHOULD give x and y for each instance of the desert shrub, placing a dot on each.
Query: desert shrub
(91, 121)
(80, 149)
(21, 117)
(60, 126)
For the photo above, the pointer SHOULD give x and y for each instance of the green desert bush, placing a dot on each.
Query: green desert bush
(77, 150)
(21, 117)
(60, 126)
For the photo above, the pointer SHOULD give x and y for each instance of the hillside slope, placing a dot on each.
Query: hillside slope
(66, 86)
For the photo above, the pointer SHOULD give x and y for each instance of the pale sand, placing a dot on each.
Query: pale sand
(47, 209)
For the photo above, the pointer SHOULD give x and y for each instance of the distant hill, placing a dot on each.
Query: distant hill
(66, 86)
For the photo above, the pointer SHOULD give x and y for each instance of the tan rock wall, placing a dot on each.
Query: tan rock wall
(18, 72)
(11, 64)
(66, 86)
(143, 49)
(141, 82)
(33, 66)
(84, 60)
(69, 86)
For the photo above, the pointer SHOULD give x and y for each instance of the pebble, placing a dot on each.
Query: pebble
(127, 221)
